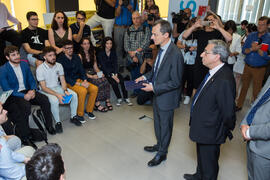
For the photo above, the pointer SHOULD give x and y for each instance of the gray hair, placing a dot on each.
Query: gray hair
(165, 26)
(220, 48)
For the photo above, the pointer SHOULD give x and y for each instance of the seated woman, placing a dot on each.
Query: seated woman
(107, 60)
(87, 55)
(59, 31)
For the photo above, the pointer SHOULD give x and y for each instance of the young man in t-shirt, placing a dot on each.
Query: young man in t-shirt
(34, 39)
(81, 30)
(50, 76)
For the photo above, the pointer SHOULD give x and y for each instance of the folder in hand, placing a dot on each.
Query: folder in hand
(67, 99)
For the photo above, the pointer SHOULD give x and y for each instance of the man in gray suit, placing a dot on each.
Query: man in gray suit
(255, 129)
(165, 82)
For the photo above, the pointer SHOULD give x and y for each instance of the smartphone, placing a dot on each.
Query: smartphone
(206, 23)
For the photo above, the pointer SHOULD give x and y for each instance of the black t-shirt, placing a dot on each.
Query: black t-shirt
(35, 38)
(203, 37)
(75, 27)
(181, 27)
(105, 10)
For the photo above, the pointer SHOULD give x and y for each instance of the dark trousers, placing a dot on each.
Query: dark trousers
(207, 161)
(143, 97)
(115, 86)
(163, 124)
(188, 78)
(19, 110)
(11, 36)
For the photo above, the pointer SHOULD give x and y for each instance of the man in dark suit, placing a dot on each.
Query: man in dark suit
(165, 82)
(212, 116)
(16, 75)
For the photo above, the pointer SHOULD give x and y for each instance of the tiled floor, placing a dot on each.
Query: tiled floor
(111, 148)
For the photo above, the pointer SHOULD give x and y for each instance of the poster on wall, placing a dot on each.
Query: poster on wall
(198, 7)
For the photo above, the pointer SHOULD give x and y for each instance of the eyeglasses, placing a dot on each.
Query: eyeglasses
(69, 48)
(81, 19)
(34, 19)
(205, 51)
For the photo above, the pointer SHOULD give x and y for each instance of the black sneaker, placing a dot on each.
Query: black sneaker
(58, 127)
(76, 121)
(90, 115)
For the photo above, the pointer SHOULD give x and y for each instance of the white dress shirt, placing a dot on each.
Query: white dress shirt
(19, 75)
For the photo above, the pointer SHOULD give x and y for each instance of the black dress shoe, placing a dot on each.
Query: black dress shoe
(191, 177)
(157, 160)
(28, 142)
(51, 130)
(150, 148)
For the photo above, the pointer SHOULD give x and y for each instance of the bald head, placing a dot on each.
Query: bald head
(136, 19)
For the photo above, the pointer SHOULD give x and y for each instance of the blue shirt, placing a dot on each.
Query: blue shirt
(73, 69)
(125, 17)
(9, 167)
(253, 58)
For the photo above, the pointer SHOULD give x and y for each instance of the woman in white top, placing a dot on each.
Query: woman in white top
(235, 44)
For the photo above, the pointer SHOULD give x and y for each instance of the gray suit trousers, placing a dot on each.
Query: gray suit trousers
(163, 124)
(258, 166)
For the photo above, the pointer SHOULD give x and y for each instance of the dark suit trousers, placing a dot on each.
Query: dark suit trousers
(207, 159)
(163, 124)
(19, 110)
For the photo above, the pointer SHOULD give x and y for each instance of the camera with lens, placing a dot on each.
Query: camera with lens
(178, 17)
(147, 53)
(151, 17)
(187, 49)
(125, 3)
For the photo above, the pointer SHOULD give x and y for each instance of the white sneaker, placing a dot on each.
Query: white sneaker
(187, 99)
(119, 101)
(129, 103)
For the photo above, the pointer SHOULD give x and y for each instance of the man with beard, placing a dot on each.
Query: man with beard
(48, 75)
(16, 75)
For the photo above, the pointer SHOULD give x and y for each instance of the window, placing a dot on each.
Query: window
(239, 10)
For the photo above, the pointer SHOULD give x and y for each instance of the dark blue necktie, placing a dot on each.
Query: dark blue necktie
(156, 65)
(256, 107)
(199, 90)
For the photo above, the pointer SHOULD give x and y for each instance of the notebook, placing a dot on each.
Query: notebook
(67, 99)
(5, 95)
(131, 85)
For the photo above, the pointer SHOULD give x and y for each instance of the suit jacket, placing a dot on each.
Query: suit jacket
(167, 86)
(259, 130)
(213, 116)
(9, 81)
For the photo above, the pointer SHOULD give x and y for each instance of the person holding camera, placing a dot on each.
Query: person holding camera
(153, 16)
(105, 16)
(180, 22)
(123, 19)
(211, 29)
(137, 39)
(189, 50)
(34, 39)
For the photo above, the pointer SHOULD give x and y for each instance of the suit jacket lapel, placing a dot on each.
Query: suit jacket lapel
(210, 81)
(13, 75)
(164, 57)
